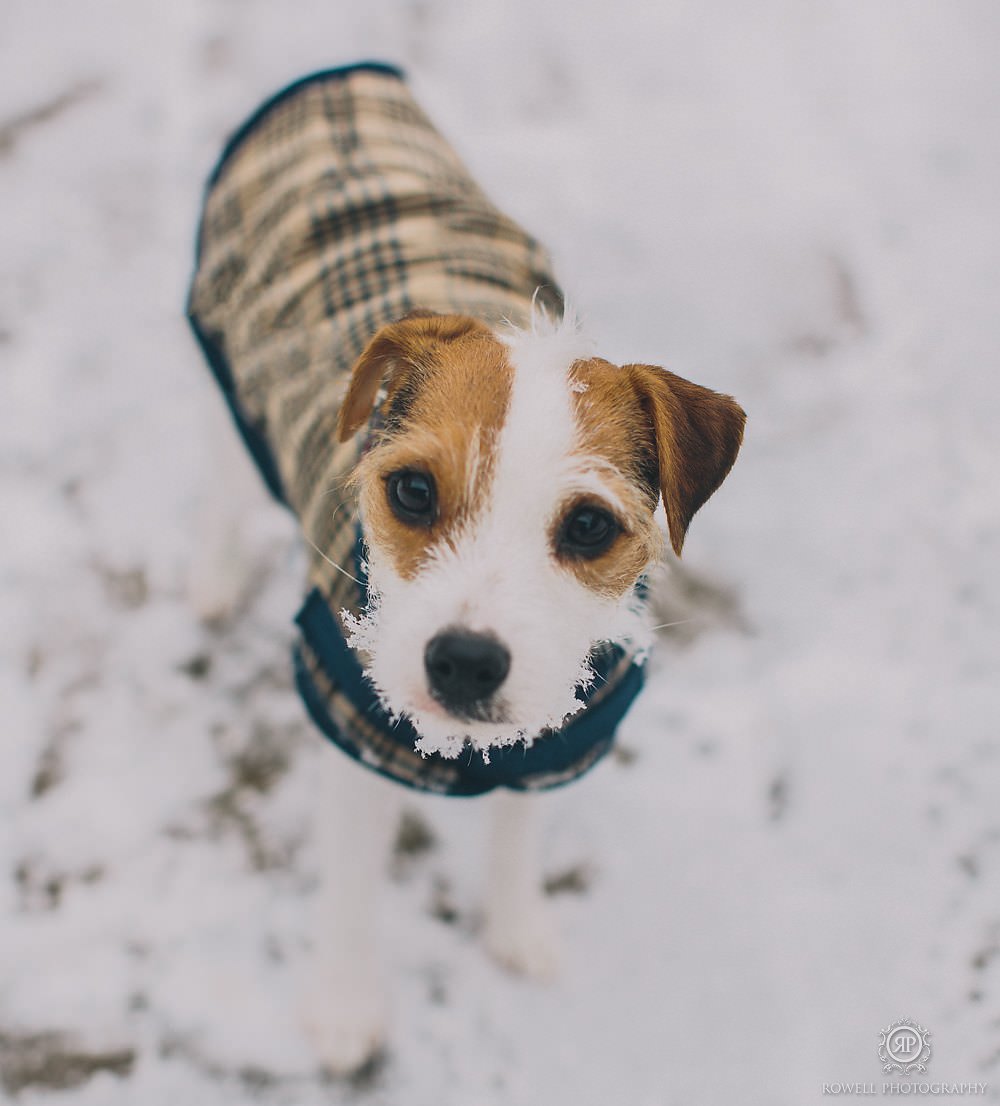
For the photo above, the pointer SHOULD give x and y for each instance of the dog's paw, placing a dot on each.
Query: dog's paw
(347, 1028)
(526, 942)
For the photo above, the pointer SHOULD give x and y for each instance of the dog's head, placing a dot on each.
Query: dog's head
(508, 509)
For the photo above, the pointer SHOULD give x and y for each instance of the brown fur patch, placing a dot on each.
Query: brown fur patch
(614, 428)
(616, 570)
(394, 355)
(454, 379)
(614, 423)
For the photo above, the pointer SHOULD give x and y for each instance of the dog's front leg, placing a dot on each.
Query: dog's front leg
(520, 930)
(356, 818)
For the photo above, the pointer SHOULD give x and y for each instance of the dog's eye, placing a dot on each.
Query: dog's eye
(587, 532)
(412, 497)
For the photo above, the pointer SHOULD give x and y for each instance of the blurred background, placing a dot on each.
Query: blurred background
(798, 842)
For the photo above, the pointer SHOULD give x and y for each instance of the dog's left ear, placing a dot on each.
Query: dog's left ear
(698, 434)
(392, 354)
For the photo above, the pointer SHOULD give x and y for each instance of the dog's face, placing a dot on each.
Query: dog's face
(507, 504)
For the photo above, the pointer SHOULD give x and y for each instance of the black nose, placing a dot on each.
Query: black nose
(464, 669)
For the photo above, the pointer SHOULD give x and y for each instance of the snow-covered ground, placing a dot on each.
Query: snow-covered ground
(798, 203)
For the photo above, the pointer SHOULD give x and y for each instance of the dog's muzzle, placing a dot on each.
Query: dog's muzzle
(464, 671)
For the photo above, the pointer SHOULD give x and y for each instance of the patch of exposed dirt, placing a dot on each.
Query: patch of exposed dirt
(575, 880)
(442, 905)
(253, 771)
(52, 1062)
(41, 889)
(684, 604)
(14, 128)
(414, 839)
(777, 798)
(126, 588)
(50, 768)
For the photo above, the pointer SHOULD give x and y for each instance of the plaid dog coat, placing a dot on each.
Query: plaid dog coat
(336, 209)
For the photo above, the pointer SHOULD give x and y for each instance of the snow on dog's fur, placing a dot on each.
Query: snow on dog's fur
(518, 433)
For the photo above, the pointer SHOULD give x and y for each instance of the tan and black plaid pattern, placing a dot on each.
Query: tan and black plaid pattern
(336, 210)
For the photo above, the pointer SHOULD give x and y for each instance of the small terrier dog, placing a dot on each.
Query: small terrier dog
(356, 296)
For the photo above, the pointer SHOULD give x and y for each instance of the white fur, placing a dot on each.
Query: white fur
(499, 576)
(345, 1012)
(520, 930)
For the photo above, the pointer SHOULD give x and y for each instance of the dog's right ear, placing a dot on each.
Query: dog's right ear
(393, 354)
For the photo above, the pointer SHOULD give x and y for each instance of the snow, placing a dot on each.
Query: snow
(795, 203)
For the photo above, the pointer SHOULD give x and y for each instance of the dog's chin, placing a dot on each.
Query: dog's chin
(443, 733)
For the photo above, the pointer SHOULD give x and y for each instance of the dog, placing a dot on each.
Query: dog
(477, 488)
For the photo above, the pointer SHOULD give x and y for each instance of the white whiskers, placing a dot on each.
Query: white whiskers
(333, 564)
